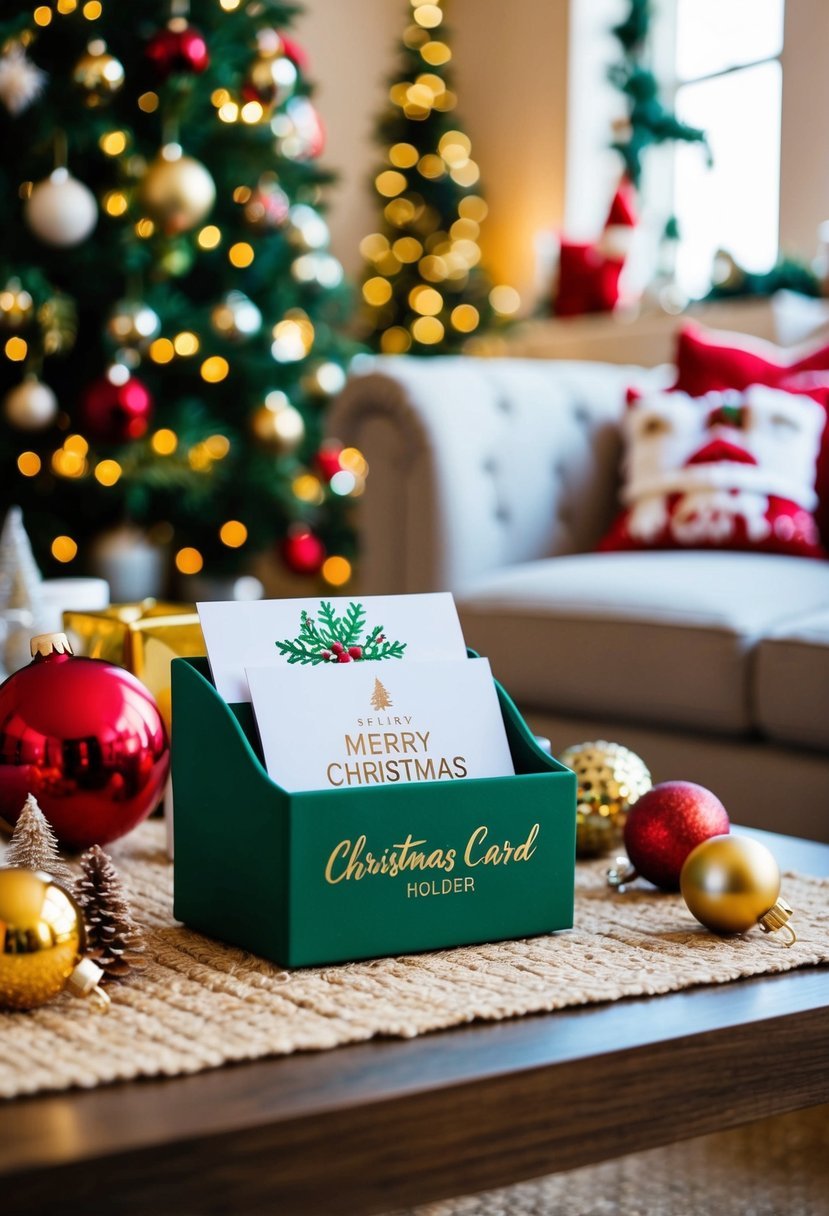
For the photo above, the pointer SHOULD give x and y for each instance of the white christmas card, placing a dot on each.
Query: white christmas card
(338, 726)
(309, 633)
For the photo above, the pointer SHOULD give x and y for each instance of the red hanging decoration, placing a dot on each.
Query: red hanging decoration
(666, 823)
(327, 459)
(86, 739)
(302, 551)
(116, 408)
(179, 47)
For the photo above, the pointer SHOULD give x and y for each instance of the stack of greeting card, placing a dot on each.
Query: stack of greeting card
(351, 693)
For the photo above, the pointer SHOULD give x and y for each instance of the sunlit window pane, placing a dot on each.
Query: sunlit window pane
(735, 204)
(716, 34)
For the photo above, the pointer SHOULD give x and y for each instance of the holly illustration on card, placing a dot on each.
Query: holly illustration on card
(338, 639)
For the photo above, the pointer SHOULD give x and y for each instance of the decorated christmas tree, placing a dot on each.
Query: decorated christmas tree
(169, 307)
(424, 289)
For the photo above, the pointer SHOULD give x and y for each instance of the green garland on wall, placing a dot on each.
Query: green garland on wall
(650, 121)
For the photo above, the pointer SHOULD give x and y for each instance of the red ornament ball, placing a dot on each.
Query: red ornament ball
(179, 47)
(87, 739)
(116, 408)
(666, 823)
(327, 459)
(303, 552)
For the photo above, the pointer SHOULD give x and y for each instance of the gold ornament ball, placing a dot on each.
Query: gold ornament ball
(132, 323)
(270, 78)
(236, 317)
(16, 306)
(610, 779)
(177, 191)
(98, 74)
(41, 939)
(281, 429)
(730, 883)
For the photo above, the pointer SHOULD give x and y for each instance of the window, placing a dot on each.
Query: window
(729, 82)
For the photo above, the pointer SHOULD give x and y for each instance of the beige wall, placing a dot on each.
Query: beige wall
(511, 64)
(804, 165)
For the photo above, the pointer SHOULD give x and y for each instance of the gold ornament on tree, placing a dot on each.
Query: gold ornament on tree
(271, 75)
(236, 317)
(278, 425)
(98, 74)
(732, 883)
(177, 192)
(34, 846)
(16, 307)
(610, 779)
(133, 323)
(42, 943)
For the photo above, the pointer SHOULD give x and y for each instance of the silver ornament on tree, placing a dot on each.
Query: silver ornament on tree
(31, 405)
(61, 210)
(21, 81)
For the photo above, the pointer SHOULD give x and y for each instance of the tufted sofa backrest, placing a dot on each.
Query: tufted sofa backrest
(477, 464)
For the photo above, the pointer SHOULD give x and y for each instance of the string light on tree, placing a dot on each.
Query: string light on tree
(197, 142)
(424, 289)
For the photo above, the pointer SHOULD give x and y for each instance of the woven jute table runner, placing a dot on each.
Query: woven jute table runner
(200, 1004)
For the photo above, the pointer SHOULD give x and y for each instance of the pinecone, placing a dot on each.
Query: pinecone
(115, 939)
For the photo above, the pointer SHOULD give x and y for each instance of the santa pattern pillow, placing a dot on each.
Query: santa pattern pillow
(725, 470)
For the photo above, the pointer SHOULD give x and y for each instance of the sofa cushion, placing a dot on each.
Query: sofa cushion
(651, 637)
(792, 681)
(733, 470)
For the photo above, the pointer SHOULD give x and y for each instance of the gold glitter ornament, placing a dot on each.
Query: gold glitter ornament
(98, 74)
(732, 883)
(177, 192)
(42, 940)
(610, 779)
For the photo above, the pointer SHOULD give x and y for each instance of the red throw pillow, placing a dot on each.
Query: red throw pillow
(708, 359)
(727, 470)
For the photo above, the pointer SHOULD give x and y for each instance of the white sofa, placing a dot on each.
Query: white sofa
(494, 479)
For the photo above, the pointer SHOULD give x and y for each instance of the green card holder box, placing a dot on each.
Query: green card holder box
(337, 875)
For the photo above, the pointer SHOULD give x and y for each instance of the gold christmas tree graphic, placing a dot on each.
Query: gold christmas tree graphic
(380, 698)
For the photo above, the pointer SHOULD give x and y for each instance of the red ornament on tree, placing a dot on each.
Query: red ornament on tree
(179, 47)
(327, 459)
(116, 408)
(303, 552)
(86, 739)
(666, 823)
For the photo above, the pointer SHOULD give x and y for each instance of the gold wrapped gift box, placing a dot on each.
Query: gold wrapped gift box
(144, 637)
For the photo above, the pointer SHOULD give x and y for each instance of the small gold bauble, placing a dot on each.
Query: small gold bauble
(176, 191)
(236, 317)
(16, 306)
(610, 779)
(41, 939)
(732, 883)
(282, 428)
(132, 323)
(98, 74)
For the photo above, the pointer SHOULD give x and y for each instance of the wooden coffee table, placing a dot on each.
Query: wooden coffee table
(387, 1124)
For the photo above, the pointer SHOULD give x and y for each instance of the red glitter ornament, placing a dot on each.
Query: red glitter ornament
(666, 823)
(116, 408)
(86, 739)
(303, 552)
(179, 47)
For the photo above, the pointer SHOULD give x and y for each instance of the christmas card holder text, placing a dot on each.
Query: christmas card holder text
(335, 875)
